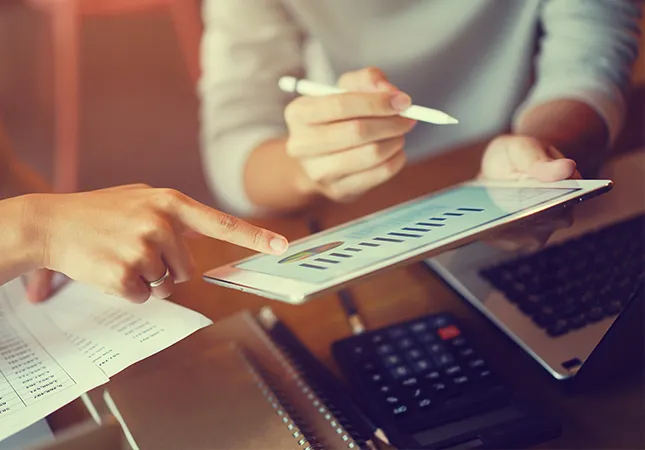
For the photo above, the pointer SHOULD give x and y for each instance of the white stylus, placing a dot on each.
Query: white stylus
(307, 87)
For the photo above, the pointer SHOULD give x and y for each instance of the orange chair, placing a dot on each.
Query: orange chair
(66, 16)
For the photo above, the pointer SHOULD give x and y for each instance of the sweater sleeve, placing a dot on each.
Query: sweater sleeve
(587, 53)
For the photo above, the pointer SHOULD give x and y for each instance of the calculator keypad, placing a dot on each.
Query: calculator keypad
(422, 366)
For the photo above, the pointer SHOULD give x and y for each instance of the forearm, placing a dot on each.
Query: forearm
(573, 127)
(275, 181)
(20, 243)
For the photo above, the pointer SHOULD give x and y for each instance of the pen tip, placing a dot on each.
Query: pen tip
(451, 120)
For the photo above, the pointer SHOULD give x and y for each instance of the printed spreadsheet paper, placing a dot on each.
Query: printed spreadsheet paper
(52, 353)
(114, 333)
(40, 370)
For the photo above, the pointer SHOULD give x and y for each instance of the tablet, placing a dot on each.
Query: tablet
(398, 235)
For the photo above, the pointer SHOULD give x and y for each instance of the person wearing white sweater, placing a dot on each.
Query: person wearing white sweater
(545, 80)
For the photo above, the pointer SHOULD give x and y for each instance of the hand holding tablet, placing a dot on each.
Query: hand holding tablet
(399, 235)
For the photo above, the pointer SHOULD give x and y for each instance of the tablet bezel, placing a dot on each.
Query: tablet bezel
(297, 291)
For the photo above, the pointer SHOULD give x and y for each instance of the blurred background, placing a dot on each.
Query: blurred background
(138, 108)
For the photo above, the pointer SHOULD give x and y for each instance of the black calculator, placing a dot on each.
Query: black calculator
(426, 386)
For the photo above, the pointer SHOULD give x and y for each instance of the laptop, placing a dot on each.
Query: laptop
(576, 305)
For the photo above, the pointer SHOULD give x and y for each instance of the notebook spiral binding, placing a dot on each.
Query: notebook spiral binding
(320, 399)
(288, 415)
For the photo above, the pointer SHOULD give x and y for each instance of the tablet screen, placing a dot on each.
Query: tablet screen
(400, 230)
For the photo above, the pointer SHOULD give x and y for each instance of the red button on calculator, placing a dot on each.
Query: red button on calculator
(448, 332)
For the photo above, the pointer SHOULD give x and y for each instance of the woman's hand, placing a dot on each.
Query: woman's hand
(513, 157)
(122, 239)
(349, 143)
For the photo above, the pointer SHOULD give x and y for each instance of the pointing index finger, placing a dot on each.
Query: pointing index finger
(218, 225)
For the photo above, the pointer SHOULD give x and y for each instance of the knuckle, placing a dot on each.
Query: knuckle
(372, 153)
(145, 253)
(358, 129)
(122, 276)
(155, 227)
(373, 73)
(393, 165)
(257, 237)
(398, 142)
(336, 105)
(228, 223)
(169, 197)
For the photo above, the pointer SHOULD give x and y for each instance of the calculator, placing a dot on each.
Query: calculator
(425, 385)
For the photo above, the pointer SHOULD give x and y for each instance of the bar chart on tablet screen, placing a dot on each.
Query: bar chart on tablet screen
(371, 240)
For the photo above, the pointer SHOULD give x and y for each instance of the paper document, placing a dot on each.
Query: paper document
(40, 371)
(114, 333)
(53, 352)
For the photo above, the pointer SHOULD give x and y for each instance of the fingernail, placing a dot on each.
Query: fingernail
(401, 101)
(278, 245)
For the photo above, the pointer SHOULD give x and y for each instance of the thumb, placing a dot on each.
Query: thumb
(39, 285)
(553, 166)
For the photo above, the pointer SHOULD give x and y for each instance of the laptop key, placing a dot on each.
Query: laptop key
(559, 327)
(613, 307)
(578, 321)
(595, 314)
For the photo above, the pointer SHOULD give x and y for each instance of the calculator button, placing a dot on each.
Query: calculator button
(436, 348)
(459, 341)
(485, 375)
(410, 382)
(392, 400)
(399, 411)
(392, 360)
(449, 332)
(426, 337)
(476, 363)
(438, 388)
(466, 352)
(396, 332)
(439, 321)
(452, 370)
(400, 371)
(424, 403)
(414, 353)
(417, 393)
(377, 339)
(443, 359)
(384, 349)
(358, 350)
(432, 376)
(385, 389)
(406, 343)
(419, 327)
(376, 378)
(460, 381)
(421, 365)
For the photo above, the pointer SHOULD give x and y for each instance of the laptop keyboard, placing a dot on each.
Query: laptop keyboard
(578, 282)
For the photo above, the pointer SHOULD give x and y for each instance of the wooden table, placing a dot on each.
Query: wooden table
(612, 417)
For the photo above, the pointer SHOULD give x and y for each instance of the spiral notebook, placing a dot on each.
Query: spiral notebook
(239, 391)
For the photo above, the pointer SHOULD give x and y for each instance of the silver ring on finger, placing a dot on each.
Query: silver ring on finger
(160, 281)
